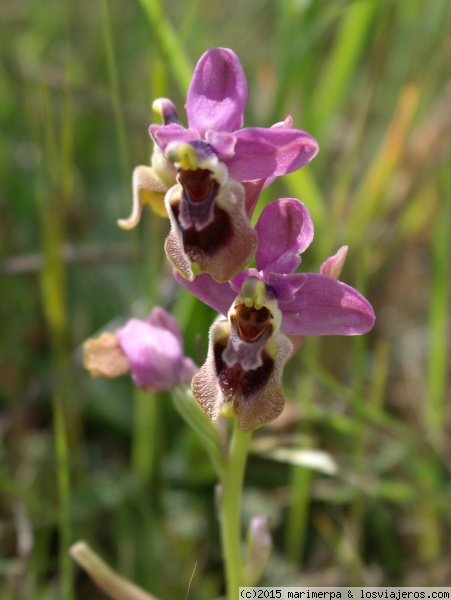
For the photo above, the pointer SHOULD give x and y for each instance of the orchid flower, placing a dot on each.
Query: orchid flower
(246, 355)
(151, 350)
(215, 104)
(209, 162)
(294, 304)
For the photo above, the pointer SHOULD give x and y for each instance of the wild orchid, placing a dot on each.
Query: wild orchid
(242, 375)
(248, 345)
(208, 162)
(210, 175)
(215, 106)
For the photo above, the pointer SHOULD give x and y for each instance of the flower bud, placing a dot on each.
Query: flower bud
(151, 350)
(259, 548)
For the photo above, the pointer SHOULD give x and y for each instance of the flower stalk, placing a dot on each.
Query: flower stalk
(230, 510)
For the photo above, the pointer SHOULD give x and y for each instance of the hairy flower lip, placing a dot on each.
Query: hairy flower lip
(241, 378)
(214, 238)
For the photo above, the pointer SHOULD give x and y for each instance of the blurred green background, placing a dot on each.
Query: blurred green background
(84, 458)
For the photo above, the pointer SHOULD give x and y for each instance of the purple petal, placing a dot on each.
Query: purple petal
(284, 229)
(167, 110)
(285, 287)
(164, 320)
(333, 265)
(165, 134)
(286, 124)
(222, 143)
(253, 189)
(262, 153)
(217, 93)
(325, 306)
(155, 355)
(219, 296)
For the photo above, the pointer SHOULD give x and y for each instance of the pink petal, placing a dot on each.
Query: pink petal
(217, 93)
(155, 355)
(167, 110)
(333, 266)
(165, 134)
(285, 286)
(219, 296)
(222, 143)
(284, 229)
(253, 189)
(325, 306)
(164, 320)
(286, 124)
(268, 152)
(238, 280)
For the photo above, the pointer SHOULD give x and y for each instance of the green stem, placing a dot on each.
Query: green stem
(145, 436)
(230, 510)
(298, 513)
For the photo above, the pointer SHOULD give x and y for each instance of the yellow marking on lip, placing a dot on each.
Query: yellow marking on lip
(227, 410)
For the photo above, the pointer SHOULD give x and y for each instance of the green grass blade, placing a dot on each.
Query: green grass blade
(116, 96)
(170, 44)
(344, 56)
(438, 325)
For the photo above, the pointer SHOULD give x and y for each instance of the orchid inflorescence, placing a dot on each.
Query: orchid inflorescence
(209, 177)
